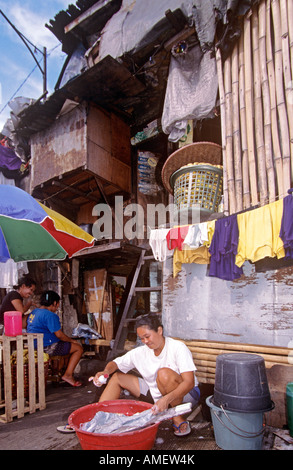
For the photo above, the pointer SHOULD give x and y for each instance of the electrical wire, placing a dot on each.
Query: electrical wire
(24, 39)
(26, 42)
(25, 80)
(18, 89)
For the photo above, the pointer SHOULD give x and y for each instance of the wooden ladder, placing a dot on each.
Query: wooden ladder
(130, 305)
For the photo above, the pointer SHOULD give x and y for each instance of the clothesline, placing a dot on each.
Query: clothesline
(225, 244)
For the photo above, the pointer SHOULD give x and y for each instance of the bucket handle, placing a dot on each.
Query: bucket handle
(234, 432)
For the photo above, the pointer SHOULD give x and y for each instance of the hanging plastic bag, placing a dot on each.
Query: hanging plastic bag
(191, 91)
(85, 331)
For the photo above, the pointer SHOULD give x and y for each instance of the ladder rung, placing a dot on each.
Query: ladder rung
(147, 289)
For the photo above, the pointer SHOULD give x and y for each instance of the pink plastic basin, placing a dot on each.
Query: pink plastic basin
(142, 439)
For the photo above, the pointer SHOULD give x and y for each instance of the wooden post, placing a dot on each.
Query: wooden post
(41, 373)
(32, 375)
(20, 377)
(7, 378)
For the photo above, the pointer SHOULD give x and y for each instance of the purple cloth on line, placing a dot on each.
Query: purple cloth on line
(9, 159)
(286, 230)
(224, 248)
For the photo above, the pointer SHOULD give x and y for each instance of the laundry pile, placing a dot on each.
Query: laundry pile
(109, 423)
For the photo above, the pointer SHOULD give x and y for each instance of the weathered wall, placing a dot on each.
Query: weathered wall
(108, 144)
(86, 139)
(59, 149)
(255, 309)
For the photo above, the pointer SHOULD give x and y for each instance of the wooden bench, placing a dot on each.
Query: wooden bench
(278, 362)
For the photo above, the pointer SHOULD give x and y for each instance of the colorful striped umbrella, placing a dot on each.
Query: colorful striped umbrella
(30, 231)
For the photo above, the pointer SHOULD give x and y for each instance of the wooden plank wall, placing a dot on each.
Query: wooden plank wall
(256, 100)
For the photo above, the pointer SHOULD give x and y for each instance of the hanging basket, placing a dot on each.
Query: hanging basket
(198, 186)
(198, 152)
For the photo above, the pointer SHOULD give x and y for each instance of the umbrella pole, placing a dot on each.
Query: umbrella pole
(60, 290)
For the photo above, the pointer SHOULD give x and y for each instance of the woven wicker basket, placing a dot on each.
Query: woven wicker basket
(201, 152)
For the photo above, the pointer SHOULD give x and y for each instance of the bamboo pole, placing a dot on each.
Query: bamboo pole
(245, 169)
(229, 135)
(283, 121)
(205, 353)
(274, 118)
(203, 362)
(208, 370)
(236, 130)
(287, 73)
(202, 371)
(205, 380)
(205, 375)
(255, 348)
(223, 128)
(266, 102)
(290, 28)
(259, 126)
(249, 110)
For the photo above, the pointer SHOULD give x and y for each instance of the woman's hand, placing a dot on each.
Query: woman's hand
(110, 368)
(161, 405)
(95, 378)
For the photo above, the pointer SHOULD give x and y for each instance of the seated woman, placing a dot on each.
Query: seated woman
(166, 368)
(14, 300)
(56, 343)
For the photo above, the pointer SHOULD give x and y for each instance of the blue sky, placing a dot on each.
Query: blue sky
(29, 17)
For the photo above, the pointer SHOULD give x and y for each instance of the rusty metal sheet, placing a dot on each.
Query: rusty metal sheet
(59, 149)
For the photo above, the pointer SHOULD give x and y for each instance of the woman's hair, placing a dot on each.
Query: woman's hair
(27, 281)
(48, 297)
(151, 321)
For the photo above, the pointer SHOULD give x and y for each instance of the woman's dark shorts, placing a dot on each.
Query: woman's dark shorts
(61, 348)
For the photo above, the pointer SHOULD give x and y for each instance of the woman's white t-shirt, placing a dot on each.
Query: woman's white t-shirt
(175, 355)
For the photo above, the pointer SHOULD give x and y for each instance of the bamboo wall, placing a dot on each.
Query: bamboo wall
(256, 99)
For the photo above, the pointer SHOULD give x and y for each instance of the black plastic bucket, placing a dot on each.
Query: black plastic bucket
(241, 383)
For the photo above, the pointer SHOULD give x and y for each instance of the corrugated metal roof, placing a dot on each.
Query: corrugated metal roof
(100, 13)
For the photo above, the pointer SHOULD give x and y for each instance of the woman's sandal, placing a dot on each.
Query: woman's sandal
(65, 429)
(178, 431)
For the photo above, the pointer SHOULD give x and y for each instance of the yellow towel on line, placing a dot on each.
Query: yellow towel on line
(198, 255)
(259, 233)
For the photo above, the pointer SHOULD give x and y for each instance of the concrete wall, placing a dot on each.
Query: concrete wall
(255, 309)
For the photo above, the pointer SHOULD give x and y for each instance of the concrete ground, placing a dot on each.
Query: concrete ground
(38, 431)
